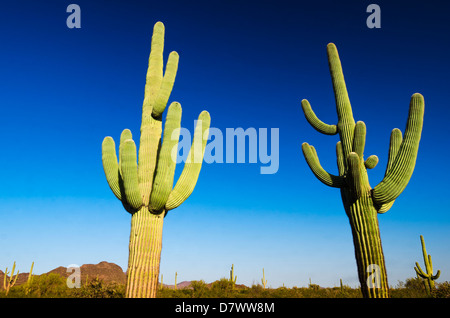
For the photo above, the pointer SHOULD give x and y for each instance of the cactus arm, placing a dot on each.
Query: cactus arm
(371, 162)
(110, 166)
(166, 85)
(4, 279)
(189, 176)
(419, 271)
(438, 273)
(394, 146)
(359, 139)
(155, 70)
(30, 275)
(128, 164)
(162, 185)
(315, 122)
(340, 158)
(313, 162)
(402, 168)
(355, 177)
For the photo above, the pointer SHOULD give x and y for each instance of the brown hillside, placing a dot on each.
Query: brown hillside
(107, 272)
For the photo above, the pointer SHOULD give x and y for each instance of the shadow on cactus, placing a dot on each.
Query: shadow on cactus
(362, 203)
(144, 181)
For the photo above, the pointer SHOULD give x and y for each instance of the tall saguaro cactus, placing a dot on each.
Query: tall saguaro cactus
(362, 203)
(427, 275)
(145, 184)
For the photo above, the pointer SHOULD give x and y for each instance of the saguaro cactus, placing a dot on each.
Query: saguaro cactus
(10, 281)
(233, 278)
(428, 276)
(264, 280)
(146, 187)
(360, 200)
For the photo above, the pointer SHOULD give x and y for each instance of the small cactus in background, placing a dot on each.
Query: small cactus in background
(264, 280)
(233, 278)
(360, 200)
(428, 276)
(143, 181)
(176, 274)
(29, 280)
(10, 281)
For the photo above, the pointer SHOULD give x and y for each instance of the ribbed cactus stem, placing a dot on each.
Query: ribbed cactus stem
(144, 254)
(427, 275)
(362, 203)
(143, 178)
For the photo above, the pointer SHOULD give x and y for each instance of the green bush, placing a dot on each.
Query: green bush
(96, 288)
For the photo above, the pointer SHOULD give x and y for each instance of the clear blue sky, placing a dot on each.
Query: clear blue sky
(249, 63)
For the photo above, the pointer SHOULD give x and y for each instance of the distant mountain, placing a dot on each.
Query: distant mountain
(107, 272)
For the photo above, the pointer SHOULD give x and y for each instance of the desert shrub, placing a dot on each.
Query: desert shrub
(199, 289)
(442, 290)
(412, 288)
(222, 288)
(96, 288)
(42, 286)
(174, 293)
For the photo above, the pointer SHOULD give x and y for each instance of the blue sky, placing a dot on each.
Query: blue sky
(249, 63)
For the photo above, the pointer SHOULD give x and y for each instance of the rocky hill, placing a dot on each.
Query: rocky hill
(107, 272)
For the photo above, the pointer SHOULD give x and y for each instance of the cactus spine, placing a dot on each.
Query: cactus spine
(428, 276)
(145, 184)
(10, 281)
(361, 202)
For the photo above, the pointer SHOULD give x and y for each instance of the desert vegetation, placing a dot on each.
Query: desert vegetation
(54, 286)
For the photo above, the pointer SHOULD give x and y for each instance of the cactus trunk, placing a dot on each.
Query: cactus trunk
(144, 254)
(368, 250)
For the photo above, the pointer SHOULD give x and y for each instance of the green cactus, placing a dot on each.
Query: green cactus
(264, 280)
(361, 202)
(233, 278)
(10, 281)
(29, 280)
(428, 277)
(144, 184)
(175, 286)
